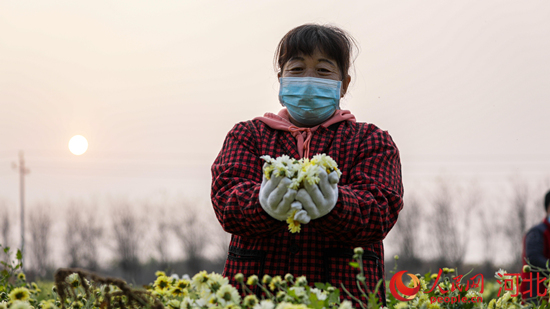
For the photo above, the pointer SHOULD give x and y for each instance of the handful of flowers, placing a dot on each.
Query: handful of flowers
(299, 171)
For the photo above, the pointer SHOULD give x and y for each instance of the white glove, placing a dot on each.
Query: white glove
(319, 200)
(276, 197)
(301, 215)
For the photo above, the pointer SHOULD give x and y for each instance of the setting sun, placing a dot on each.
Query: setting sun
(78, 145)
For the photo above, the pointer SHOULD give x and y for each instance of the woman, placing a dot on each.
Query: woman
(356, 210)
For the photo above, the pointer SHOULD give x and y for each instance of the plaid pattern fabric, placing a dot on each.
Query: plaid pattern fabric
(369, 200)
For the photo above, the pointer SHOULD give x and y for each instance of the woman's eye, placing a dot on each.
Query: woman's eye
(323, 70)
(296, 69)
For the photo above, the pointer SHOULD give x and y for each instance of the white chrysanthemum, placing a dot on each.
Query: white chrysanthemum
(215, 281)
(187, 303)
(473, 293)
(346, 304)
(502, 273)
(328, 163)
(228, 294)
(3, 305)
(200, 281)
(175, 276)
(73, 280)
(401, 305)
(311, 173)
(506, 297)
(265, 304)
(20, 305)
(268, 159)
(299, 291)
(419, 300)
(321, 295)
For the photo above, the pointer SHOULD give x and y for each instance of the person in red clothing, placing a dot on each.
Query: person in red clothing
(536, 250)
(357, 209)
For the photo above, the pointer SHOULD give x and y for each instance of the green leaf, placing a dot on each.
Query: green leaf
(19, 255)
(354, 264)
(320, 286)
(7, 249)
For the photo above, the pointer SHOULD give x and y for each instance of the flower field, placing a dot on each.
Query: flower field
(79, 289)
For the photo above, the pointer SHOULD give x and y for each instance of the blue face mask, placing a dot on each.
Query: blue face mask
(310, 100)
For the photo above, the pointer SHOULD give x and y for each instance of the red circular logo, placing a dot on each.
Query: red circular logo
(397, 286)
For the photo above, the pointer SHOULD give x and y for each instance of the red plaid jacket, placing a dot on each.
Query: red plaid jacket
(370, 196)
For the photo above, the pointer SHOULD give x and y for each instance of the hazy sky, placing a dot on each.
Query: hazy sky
(463, 87)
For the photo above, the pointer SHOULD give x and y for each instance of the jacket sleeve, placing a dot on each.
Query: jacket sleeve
(236, 180)
(534, 248)
(369, 203)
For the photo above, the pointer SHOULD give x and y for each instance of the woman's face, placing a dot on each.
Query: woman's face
(317, 65)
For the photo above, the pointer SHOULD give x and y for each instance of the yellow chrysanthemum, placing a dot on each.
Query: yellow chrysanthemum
(160, 273)
(178, 292)
(162, 284)
(277, 280)
(48, 304)
(21, 276)
(174, 304)
(293, 225)
(434, 305)
(250, 301)
(20, 293)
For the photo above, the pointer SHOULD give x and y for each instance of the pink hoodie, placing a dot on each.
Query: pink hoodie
(303, 135)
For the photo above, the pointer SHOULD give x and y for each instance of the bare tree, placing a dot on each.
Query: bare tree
(407, 232)
(126, 227)
(82, 236)
(5, 230)
(191, 235)
(40, 227)
(517, 225)
(450, 240)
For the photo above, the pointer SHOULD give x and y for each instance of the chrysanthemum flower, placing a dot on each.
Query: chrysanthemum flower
(162, 284)
(250, 301)
(277, 280)
(287, 305)
(200, 280)
(216, 281)
(20, 305)
(174, 304)
(252, 280)
(178, 292)
(21, 276)
(73, 280)
(265, 304)
(228, 294)
(346, 304)
(293, 225)
(3, 305)
(48, 304)
(20, 293)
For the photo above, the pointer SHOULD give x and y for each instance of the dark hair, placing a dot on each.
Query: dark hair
(547, 200)
(305, 39)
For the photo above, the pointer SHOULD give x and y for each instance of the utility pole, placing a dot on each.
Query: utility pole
(22, 171)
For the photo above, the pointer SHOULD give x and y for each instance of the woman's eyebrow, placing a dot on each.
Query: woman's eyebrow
(325, 60)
